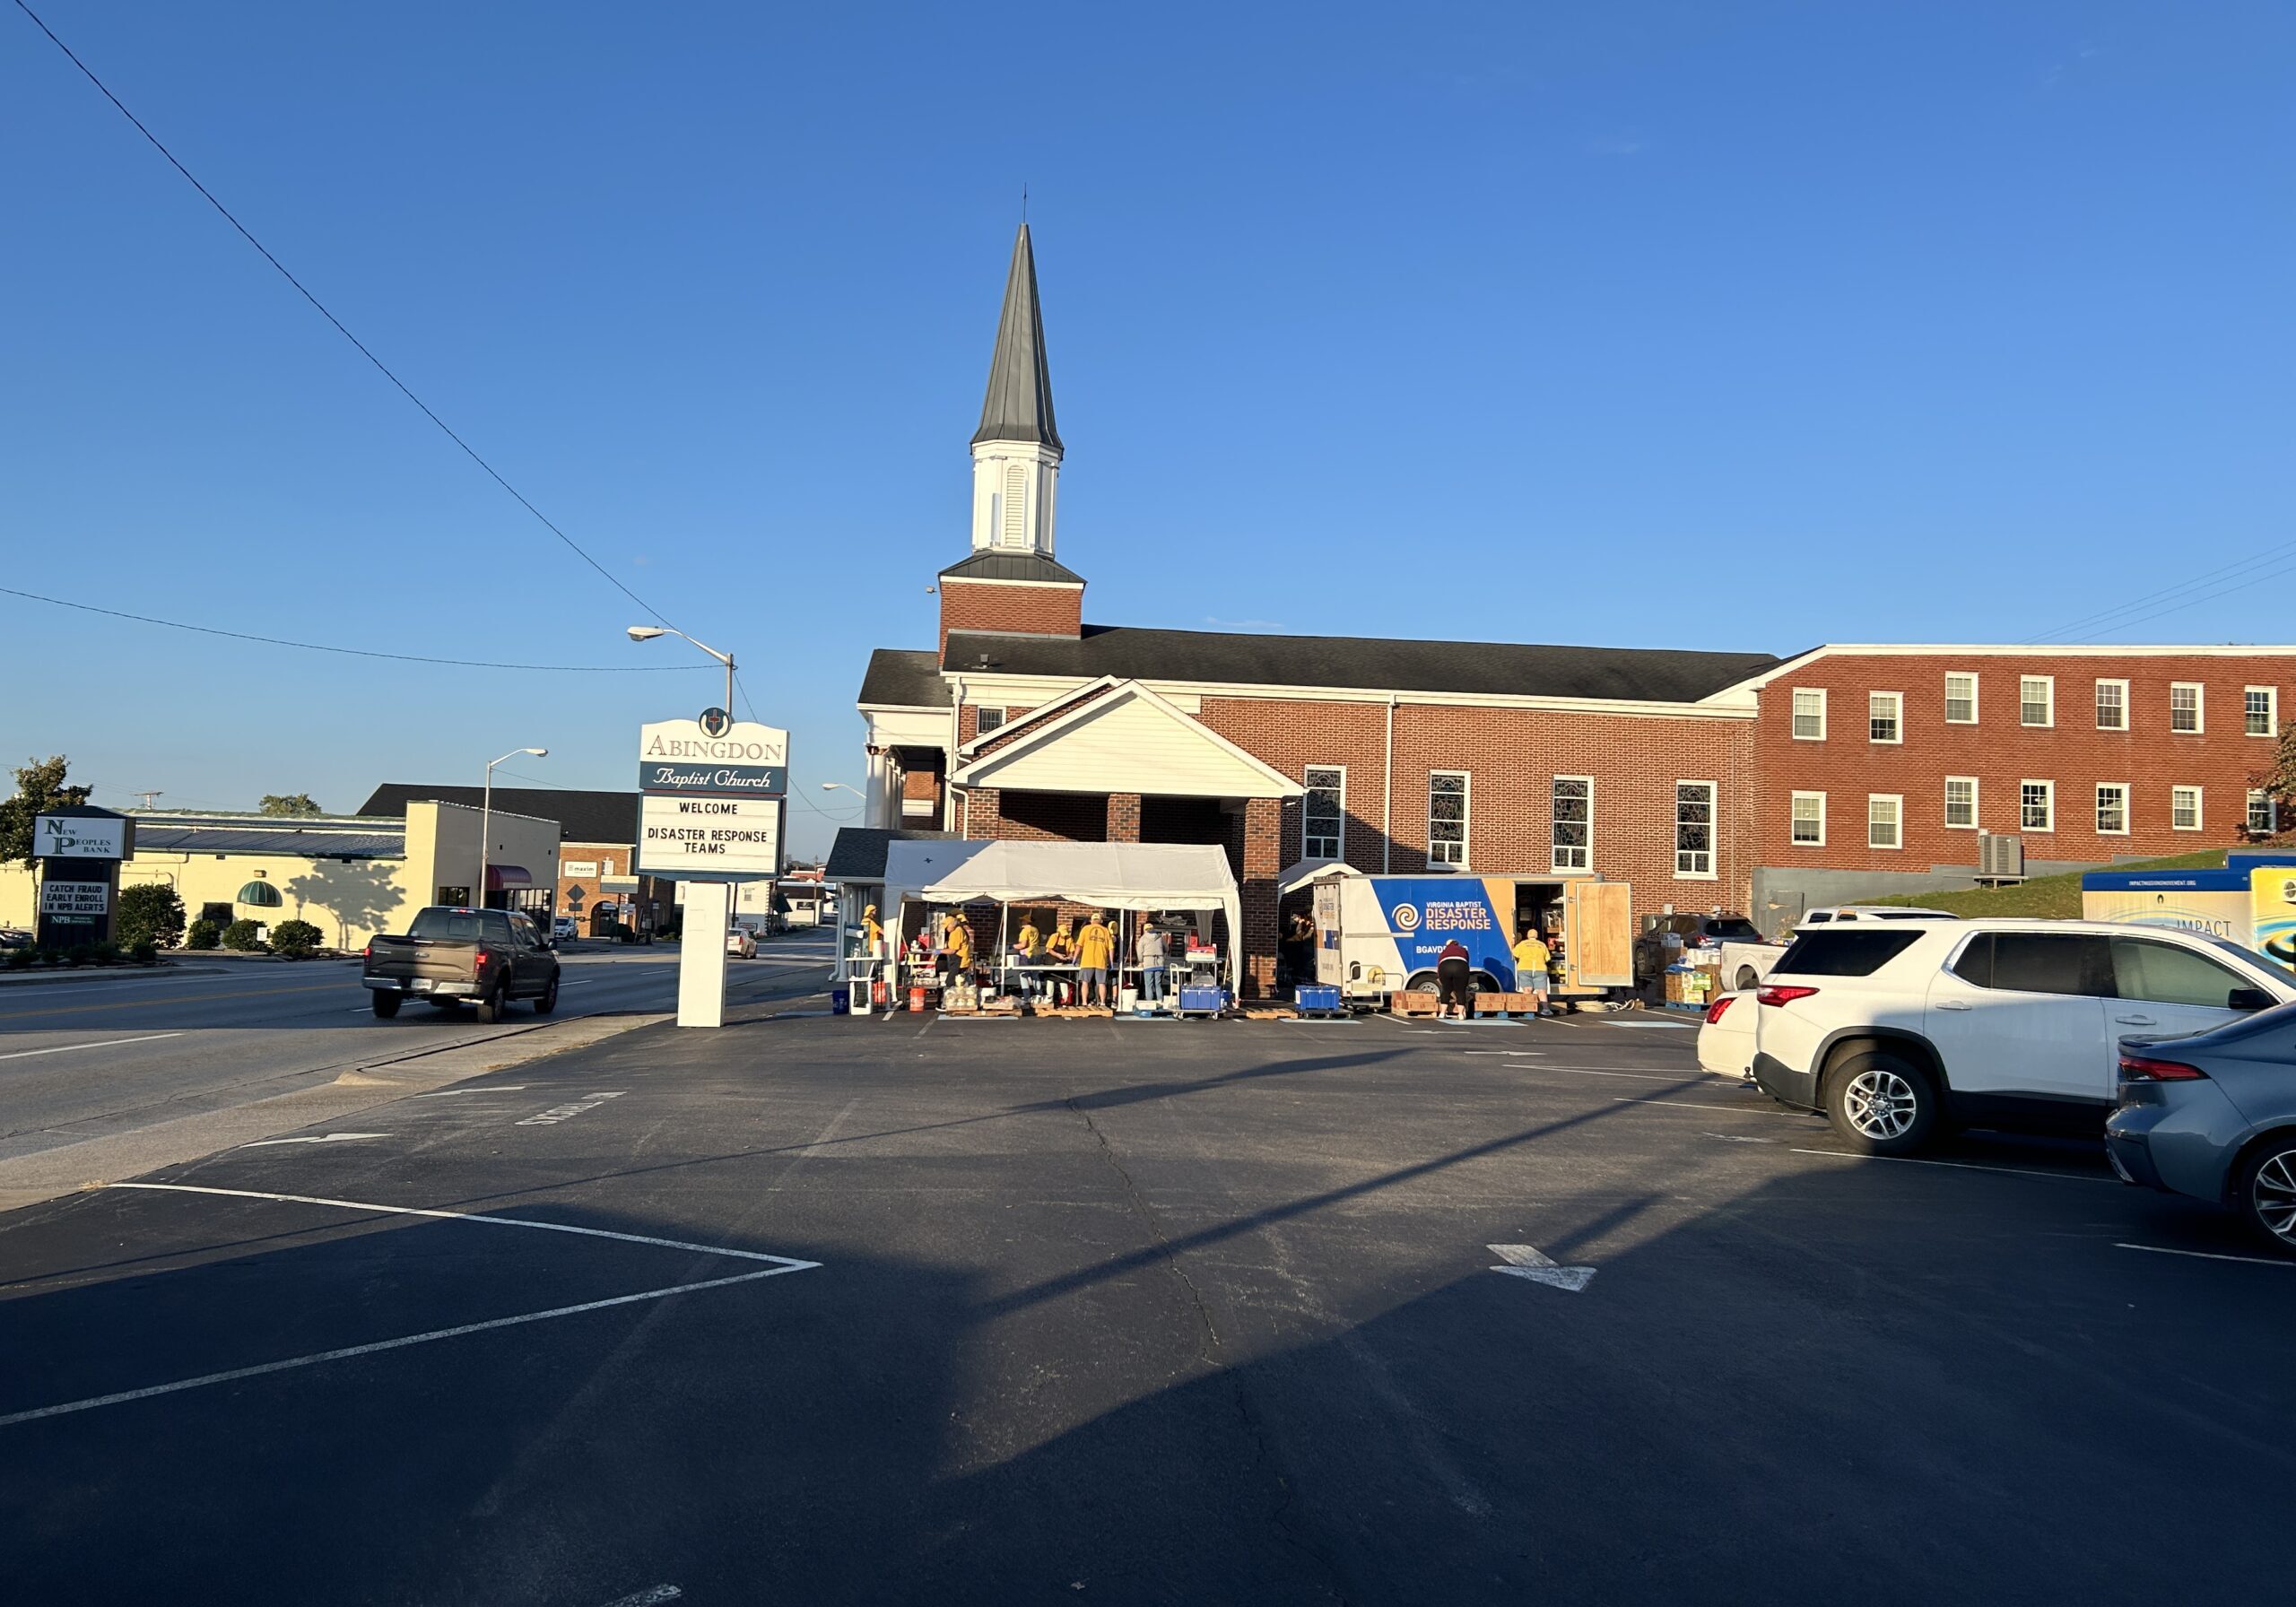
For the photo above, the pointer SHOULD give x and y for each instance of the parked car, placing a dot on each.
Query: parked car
(740, 942)
(1833, 914)
(449, 956)
(2214, 1115)
(1695, 931)
(1726, 1041)
(565, 929)
(1898, 1029)
(13, 937)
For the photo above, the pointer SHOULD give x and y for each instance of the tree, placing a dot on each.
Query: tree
(2277, 780)
(39, 788)
(149, 912)
(287, 803)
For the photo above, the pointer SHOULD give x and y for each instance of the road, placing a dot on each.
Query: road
(86, 1057)
(899, 1311)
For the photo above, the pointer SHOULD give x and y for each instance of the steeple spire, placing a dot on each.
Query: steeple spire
(1019, 404)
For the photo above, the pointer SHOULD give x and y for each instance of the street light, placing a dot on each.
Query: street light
(486, 816)
(647, 633)
(839, 786)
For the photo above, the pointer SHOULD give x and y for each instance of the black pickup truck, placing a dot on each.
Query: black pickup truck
(451, 956)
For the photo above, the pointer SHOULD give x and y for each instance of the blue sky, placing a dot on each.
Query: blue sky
(1710, 325)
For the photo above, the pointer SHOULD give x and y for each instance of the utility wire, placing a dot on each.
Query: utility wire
(2108, 619)
(278, 641)
(744, 693)
(380, 368)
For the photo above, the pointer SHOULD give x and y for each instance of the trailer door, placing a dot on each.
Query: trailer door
(1598, 934)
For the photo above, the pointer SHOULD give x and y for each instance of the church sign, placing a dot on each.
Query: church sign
(717, 758)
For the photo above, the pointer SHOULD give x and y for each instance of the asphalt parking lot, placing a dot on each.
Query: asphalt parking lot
(817, 1309)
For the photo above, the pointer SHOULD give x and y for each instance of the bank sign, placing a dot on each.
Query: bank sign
(744, 761)
(74, 900)
(79, 836)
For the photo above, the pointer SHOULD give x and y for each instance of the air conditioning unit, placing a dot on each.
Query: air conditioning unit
(2000, 858)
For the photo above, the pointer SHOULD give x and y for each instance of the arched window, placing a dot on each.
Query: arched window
(261, 894)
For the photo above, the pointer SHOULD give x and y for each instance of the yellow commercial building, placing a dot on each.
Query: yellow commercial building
(352, 876)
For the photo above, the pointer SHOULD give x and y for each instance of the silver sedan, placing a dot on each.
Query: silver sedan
(2214, 1115)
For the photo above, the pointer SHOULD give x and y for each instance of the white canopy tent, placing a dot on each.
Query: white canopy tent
(1192, 876)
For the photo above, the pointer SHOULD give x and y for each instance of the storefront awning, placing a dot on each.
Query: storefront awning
(502, 877)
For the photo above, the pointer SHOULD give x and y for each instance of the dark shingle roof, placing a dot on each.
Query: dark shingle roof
(1508, 669)
(901, 678)
(858, 854)
(1019, 404)
(1011, 566)
(582, 817)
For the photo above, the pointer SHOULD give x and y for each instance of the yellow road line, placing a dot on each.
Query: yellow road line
(259, 992)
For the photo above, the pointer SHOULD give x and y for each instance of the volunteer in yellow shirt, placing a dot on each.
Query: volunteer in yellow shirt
(1095, 945)
(1530, 959)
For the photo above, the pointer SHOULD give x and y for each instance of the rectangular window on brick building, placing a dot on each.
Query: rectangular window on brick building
(2264, 817)
(2183, 706)
(1323, 812)
(2036, 700)
(2260, 711)
(2112, 705)
(1809, 714)
(2112, 808)
(1573, 840)
(1884, 816)
(1809, 819)
(1885, 716)
(1960, 803)
(2184, 808)
(1447, 818)
(1961, 698)
(2037, 806)
(989, 719)
(1694, 829)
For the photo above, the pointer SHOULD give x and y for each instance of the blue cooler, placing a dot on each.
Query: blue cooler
(1203, 1001)
(839, 1001)
(1317, 1000)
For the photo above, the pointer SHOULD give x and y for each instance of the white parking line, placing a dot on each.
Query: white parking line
(108, 1043)
(322, 1138)
(559, 1113)
(2207, 1255)
(492, 1088)
(648, 1598)
(1966, 1166)
(1693, 1104)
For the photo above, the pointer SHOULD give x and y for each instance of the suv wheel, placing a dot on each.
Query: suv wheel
(1881, 1105)
(2266, 1191)
(549, 1000)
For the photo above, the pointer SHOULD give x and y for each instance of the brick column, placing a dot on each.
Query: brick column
(1124, 817)
(1263, 864)
(983, 814)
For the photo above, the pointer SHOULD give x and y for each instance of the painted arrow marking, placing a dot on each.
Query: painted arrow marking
(322, 1138)
(1524, 1260)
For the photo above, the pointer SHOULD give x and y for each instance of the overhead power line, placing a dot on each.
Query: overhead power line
(472, 452)
(2223, 580)
(796, 793)
(280, 641)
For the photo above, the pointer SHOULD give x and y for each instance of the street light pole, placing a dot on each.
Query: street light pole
(486, 819)
(647, 633)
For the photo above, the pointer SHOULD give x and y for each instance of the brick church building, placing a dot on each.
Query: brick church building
(1736, 781)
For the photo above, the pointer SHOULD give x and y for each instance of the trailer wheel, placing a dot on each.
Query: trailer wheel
(1747, 977)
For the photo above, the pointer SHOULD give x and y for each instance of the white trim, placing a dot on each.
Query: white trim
(1973, 681)
(2049, 797)
(2048, 725)
(1466, 818)
(1305, 791)
(1897, 718)
(1797, 842)
(1036, 711)
(1587, 869)
(1976, 792)
(2199, 690)
(1896, 800)
(2197, 815)
(2097, 809)
(1060, 585)
(1031, 689)
(1280, 786)
(2271, 710)
(1713, 832)
(2096, 702)
(1793, 714)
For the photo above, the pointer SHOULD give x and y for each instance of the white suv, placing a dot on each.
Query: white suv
(1897, 1029)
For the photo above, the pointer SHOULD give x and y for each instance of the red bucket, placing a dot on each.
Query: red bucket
(916, 1001)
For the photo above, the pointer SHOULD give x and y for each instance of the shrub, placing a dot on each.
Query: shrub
(240, 935)
(105, 953)
(203, 934)
(149, 912)
(294, 939)
(143, 952)
(80, 954)
(21, 960)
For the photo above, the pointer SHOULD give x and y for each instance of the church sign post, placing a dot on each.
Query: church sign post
(711, 796)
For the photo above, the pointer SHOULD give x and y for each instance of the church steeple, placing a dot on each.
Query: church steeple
(1019, 405)
(1016, 451)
